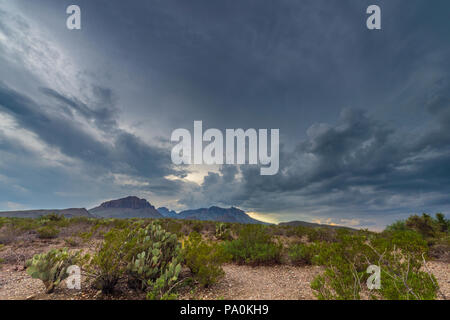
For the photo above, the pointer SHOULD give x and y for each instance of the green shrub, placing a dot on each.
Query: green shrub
(51, 267)
(254, 246)
(108, 265)
(442, 223)
(204, 259)
(397, 226)
(300, 253)
(71, 242)
(340, 281)
(47, 232)
(425, 225)
(399, 255)
(321, 234)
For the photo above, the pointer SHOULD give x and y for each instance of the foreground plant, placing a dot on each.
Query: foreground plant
(204, 259)
(154, 252)
(399, 255)
(254, 246)
(51, 267)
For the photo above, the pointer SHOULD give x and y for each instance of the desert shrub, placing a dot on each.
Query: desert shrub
(51, 267)
(254, 246)
(51, 217)
(204, 259)
(442, 223)
(172, 226)
(298, 231)
(47, 232)
(397, 226)
(197, 226)
(88, 235)
(321, 234)
(3, 221)
(400, 256)
(422, 224)
(72, 242)
(300, 253)
(23, 224)
(108, 265)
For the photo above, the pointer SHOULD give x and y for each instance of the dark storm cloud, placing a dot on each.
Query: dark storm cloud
(364, 116)
(359, 164)
(127, 153)
(104, 115)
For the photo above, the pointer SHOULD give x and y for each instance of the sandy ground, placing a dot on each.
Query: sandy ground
(283, 282)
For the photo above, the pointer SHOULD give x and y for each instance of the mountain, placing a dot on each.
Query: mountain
(168, 213)
(129, 207)
(218, 214)
(311, 225)
(68, 213)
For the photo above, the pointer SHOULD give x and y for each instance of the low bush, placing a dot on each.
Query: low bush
(108, 265)
(204, 259)
(400, 256)
(47, 232)
(300, 253)
(254, 246)
(321, 234)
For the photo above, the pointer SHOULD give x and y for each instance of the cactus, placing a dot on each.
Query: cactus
(157, 252)
(162, 287)
(51, 267)
(222, 231)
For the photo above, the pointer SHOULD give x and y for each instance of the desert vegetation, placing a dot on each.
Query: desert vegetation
(167, 258)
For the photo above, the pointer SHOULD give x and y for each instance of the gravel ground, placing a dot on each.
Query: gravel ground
(279, 282)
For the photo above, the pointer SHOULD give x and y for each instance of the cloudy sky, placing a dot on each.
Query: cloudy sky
(364, 116)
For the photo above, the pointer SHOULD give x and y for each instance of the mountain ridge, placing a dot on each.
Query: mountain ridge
(128, 207)
(36, 213)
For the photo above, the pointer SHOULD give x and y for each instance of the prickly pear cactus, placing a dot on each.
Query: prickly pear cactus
(51, 267)
(161, 288)
(222, 231)
(158, 249)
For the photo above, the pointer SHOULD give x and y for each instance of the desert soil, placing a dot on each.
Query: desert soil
(278, 282)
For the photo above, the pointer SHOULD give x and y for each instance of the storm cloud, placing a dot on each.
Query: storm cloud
(364, 116)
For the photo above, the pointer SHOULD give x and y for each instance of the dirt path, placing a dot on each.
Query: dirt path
(279, 282)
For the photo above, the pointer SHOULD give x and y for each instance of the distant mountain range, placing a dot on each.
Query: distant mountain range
(218, 214)
(69, 213)
(129, 207)
(134, 207)
(168, 213)
(311, 225)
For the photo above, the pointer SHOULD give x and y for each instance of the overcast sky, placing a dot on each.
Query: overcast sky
(364, 116)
